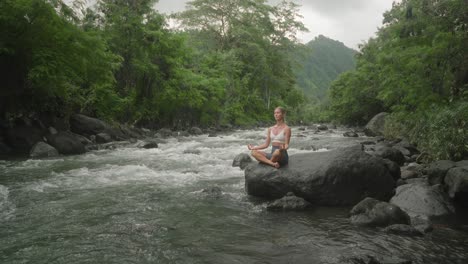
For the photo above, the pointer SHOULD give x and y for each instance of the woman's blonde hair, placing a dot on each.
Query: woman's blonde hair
(283, 111)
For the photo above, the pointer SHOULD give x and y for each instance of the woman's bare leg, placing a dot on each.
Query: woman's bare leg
(261, 156)
(277, 155)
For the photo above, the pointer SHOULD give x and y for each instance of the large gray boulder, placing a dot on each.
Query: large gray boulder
(88, 126)
(419, 199)
(66, 143)
(390, 153)
(23, 135)
(338, 177)
(375, 127)
(457, 183)
(43, 150)
(437, 170)
(242, 160)
(372, 212)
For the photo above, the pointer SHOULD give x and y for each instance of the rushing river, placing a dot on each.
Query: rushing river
(132, 205)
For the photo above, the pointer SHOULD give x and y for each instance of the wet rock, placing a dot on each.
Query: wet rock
(350, 134)
(375, 127)
(66, 143)
(213, 191)
(149, 145)
(23, 135)
(372, 212)
(103, 138)
(43, 150)
(322, 127)
(404, 230)
(85, 141)
(457, 183)
(420, 199)
(195, 131)
(131, 132)
(85, 125)
(408, 174)
(437, 170)
(290, 202)
(393, 168)
(164, 132)
(338, 177)
(390, 153)
(242, 160)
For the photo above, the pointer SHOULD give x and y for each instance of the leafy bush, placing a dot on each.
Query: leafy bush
(441, 131)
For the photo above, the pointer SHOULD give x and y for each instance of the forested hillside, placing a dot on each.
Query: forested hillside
(319, 63)
(417, 69)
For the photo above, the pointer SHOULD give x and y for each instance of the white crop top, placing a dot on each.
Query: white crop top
(280, 138)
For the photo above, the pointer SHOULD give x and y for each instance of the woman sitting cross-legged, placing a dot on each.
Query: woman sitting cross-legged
(279, 136)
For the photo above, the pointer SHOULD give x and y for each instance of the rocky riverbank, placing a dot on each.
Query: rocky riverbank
(40, 138)
(388, 184)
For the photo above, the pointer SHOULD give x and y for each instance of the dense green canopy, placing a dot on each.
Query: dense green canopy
(120, 61)
(416, 68)
(232, 62)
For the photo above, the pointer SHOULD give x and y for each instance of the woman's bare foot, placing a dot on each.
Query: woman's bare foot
(276, 165)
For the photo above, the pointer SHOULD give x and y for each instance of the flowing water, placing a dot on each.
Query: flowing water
(132, 205)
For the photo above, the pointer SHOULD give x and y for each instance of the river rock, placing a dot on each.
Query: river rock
(87, 126)
(390, 153)
(338, 177)
(409, 174)
(149, 145)
(43, 150)
(23, 135)
(420, 199)
(350, 134)
(393, 168)
(213, 192)
(195, 131)
(375, 127)
(372, 212)
(103, 138)
(437, 170)
(242, 160)
(164, 132)
(457, 183)
(322, 127)
(290, 202)
(66, 143)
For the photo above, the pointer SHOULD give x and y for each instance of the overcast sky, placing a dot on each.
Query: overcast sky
(349, 21)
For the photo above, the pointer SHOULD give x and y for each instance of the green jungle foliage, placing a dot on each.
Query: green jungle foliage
(120, 61)
(416, 68)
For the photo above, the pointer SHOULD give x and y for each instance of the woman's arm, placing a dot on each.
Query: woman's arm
(264, 145)
(287, 137)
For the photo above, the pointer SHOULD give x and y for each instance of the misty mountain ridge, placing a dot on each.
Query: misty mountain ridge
(319, 63)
